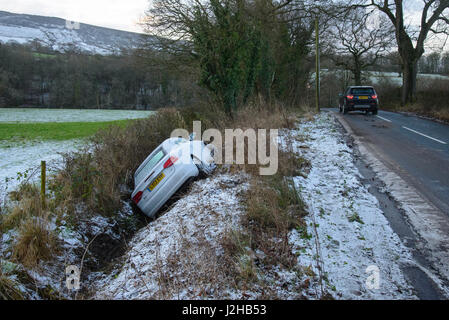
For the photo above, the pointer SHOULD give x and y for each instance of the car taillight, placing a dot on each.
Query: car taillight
(350, 97)
(374, 96)
(170, 162)
(138, 197)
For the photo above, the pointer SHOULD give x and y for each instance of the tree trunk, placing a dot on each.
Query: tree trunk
(410, 72)
(358, 77)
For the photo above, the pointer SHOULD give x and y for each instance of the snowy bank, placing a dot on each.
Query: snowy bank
(346, 227)
(177, 256)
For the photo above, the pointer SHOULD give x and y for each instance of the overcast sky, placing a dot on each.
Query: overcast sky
(125, 14)
(116, 14)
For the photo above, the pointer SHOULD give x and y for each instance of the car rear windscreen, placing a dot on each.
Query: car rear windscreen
(145, 171)
(362, 91)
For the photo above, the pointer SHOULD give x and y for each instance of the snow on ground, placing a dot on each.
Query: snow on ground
(58, 37)
(170, 257)
(14, 115)
(351, 230)
(24, 158)
(27, 157)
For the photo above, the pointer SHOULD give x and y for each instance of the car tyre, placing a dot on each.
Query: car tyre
(345, 110)
(375, 112)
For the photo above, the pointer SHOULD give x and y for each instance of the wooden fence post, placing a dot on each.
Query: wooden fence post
(43, 179)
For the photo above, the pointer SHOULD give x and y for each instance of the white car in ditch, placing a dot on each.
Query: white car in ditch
(167, 169)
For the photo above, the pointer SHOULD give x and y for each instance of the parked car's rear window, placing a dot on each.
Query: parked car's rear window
(362, 91)
(145, 171)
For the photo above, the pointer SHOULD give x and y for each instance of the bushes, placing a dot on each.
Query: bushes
(432, 94)
(94, 176)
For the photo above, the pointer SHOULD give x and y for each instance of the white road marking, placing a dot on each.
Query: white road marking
(424, 135)
(384, 119)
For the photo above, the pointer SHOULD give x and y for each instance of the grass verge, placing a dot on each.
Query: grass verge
(58, 131)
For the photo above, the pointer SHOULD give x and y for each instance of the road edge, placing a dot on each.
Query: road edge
(427, 220)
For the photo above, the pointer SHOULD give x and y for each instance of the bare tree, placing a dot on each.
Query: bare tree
(410, 39)
(445, 63)
(358, 43)
(430, 63)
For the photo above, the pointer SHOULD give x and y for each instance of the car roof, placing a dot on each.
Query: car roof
(351, 87)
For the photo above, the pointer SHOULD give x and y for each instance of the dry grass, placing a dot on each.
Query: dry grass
(35, 242)
(432, 95)
(8, 288)
(273, 208)
(29, 205)
(188, 272)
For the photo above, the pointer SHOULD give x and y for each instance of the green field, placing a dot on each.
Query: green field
(59, 131)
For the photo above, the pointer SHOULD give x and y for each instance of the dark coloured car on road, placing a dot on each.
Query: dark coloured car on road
(360, 98)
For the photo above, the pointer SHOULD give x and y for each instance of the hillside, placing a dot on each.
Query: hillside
(58, 35)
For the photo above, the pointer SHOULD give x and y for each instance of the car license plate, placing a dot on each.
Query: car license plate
(363, 97)
(156, 182)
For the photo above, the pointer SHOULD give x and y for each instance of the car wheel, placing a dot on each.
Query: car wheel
(375, 112)
(345, 110)
(339, 107)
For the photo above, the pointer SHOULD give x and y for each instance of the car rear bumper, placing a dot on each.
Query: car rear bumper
(160, 196)
(362, 107)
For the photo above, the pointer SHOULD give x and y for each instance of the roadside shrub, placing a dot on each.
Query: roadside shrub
(432, 99)
(94, 175)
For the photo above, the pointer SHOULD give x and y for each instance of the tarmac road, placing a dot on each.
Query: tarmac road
(411, 156)
(417, 149)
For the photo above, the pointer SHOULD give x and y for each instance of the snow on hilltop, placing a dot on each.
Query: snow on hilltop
(58, 35)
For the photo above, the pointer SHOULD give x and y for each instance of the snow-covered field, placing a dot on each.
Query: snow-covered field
(27, 159)
(14, 115)
(352, 236)
(28, 156)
